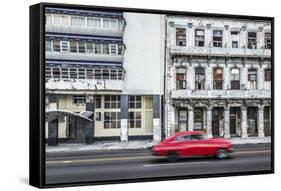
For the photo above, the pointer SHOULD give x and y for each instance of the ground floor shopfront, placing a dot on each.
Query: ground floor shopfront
(114, 117)
(221, 118)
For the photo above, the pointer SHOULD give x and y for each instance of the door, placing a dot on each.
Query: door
(182, 120)
(267, 125)
(235, 129)
(252, 121)
(217, 123)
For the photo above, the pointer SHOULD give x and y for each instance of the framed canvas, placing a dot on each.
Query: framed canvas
(121, 95)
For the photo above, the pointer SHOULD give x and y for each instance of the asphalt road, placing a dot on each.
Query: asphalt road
(130, 164)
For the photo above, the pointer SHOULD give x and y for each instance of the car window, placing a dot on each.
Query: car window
(183, 138)
(198, 137)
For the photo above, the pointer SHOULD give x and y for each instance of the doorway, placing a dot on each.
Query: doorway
(218, 122)
(252, 121)
(235, 121)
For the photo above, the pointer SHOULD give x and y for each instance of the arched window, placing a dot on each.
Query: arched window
(235, 79)
(217, 78)
(252, 79)
(199, 78)
(181, 78)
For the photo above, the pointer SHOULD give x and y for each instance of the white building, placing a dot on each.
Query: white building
(218, 76)
(112, 59)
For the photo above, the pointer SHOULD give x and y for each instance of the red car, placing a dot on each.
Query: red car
(192, 143)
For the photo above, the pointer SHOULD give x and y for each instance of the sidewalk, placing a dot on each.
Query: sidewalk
(135, 145)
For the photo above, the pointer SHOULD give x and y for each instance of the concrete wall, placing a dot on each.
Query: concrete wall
(144, 55)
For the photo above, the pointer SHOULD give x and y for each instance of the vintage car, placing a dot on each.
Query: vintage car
(192, 143)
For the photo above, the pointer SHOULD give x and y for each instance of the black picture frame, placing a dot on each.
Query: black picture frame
(37, 94)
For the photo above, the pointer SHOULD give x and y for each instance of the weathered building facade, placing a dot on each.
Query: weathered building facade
(218, 76)
(96, 67)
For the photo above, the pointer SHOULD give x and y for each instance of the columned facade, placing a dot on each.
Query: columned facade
(218, 77)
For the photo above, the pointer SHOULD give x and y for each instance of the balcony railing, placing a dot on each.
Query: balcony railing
(84, 56)
(186, 94)
(243, 52)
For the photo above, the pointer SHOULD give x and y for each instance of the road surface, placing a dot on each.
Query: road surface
(130, 164)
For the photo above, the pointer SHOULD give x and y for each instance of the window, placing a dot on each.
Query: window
(199, 78)
(105, 48)
(181, 78)
(81, 73)
(48, 46)
(252, 79)
(198, 118)
(235, 79)
(181, 37)
(105, 74)
(112, 120)
(111, 102)
(199, 37)
(64, 73)
(56, 46)
(94, 22)
(217, 38)
(267, 79)
(120, 49)
(81, 47)
(97, 74)
(89, 73)
(267, 40)
(134, 119)
(77, 21)
(113, 74)
(98, 101)
(48, 19)
(110, 23)
(134, 102)
(56, 73)
(98, 48)
(113, 49)
(267, 75)
(235, 39)
(79, 99)
(252, 40)
(73, 46)
(61, 19)
(73, 73)
(120, 74)
(48, 72)
(64, 46)
(90, 47)
(217, 78)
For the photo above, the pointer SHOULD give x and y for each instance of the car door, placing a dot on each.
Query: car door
(200, 145)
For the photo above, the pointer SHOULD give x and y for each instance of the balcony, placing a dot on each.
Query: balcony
(83, 30)
(223, 52)
(83, 84)
(220, 94)
(84, 56)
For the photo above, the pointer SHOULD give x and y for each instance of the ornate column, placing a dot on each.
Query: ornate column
(260, 79)
(190, 118)
(243, 77)
(191, 77)
(226, 122)
(225, 77)
(209, 122)
(261, 121)
(209, 78)
(244, 122)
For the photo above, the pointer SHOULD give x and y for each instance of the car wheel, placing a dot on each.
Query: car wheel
(173, 156)
(222, 154)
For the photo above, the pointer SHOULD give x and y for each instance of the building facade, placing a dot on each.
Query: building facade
(96, 65)
(218, 76)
